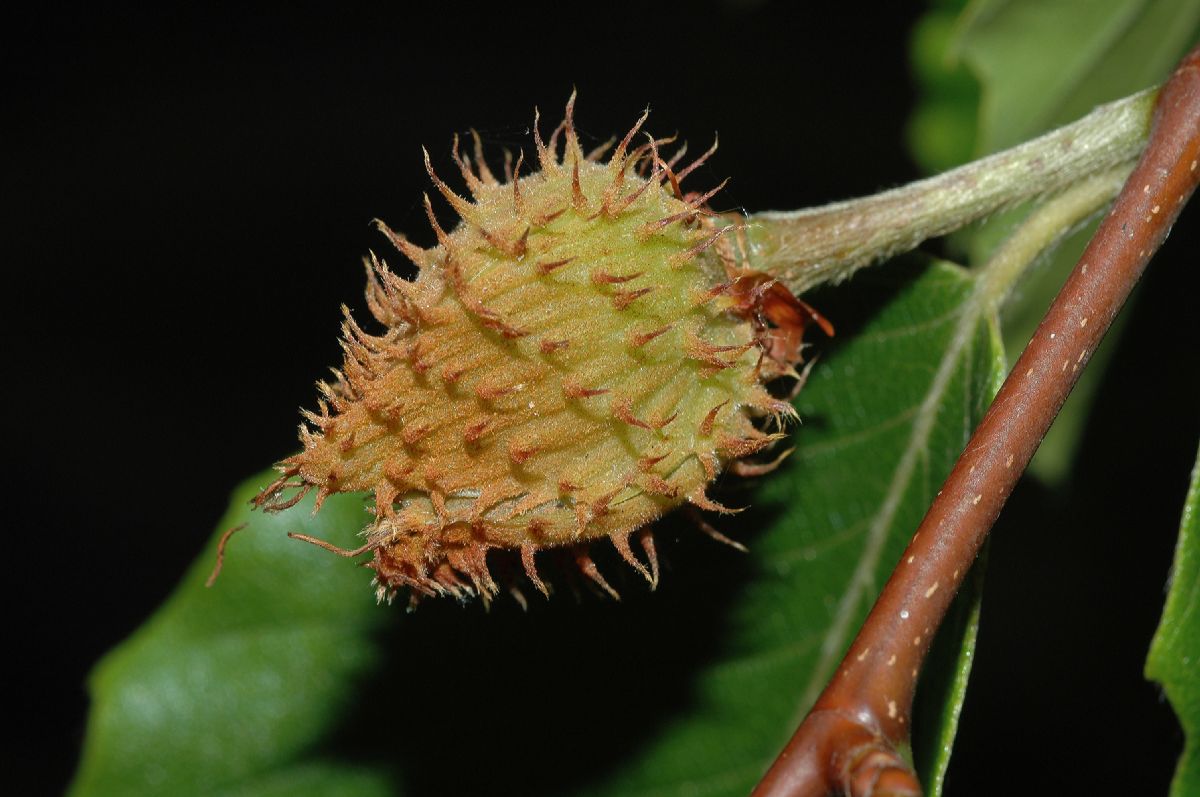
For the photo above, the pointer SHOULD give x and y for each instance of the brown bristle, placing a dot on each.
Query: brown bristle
(620, 541)
(588, 567)
(573, 390)
(639, 339)
(519, 453)
(527, 560)
(622, 408)
(604, 278)
(622, 299)
(553, 265)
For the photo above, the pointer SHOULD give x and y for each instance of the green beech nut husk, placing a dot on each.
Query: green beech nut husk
(582, 353)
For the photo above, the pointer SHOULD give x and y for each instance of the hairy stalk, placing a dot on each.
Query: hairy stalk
(806, 248)
(848, 743)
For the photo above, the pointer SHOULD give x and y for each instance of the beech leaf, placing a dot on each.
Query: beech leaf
(228, 690)
(1175, 651)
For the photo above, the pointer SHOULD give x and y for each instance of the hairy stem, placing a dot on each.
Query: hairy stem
(848, 743)
(810, 247)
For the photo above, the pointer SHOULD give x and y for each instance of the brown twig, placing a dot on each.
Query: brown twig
(848, 742)
(216, 571)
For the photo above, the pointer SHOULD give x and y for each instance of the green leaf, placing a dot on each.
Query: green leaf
(1043, 64)
(942, 128)
(1175, 651)
(265, 680)
(1039, 65)
(230, 690)
(943, 687)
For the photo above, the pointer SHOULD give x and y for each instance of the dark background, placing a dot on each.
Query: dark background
(190, 195)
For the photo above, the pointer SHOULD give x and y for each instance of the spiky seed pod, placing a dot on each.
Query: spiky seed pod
(579, 355)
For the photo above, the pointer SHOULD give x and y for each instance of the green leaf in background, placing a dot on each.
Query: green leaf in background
(943, 687)
(1038, 65)
(230, 690)
(1043, 64)
(1175, 651)
(943, 127)
(263, 684)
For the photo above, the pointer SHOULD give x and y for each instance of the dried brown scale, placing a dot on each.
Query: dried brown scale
(582, 353)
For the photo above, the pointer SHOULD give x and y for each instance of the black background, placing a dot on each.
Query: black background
(190, 194)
